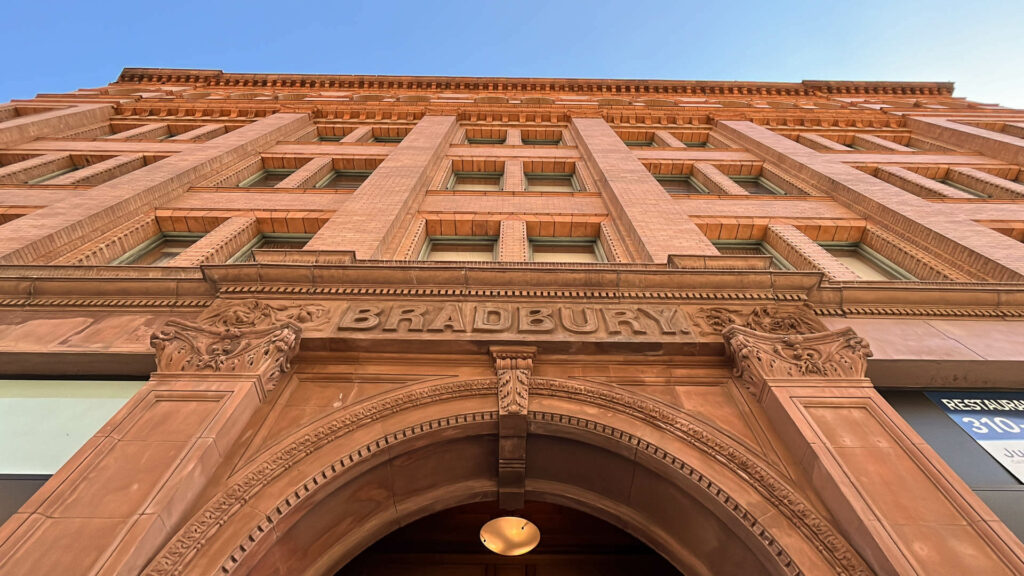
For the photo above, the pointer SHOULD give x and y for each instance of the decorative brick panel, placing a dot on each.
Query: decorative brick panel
(147, 132)
(818, 142)
(33, 168)
(611, 246)
(102, 171)
(869, 142)
(918, 185)
(202, 133)
(309, 174)
(715, 180)
(514, 178)
(992, 186)
(917, 262)
(513, 244)
(220, 244)
(414, 241)
(24, 129)
(805, 254)
(113, 245)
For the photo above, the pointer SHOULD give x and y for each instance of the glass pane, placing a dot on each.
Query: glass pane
(461, 251)
(345, 181)
(53, 175)
(477, 182)
(680, 186)
(164, 252)
(570, 252)
(861, 264)
(749, 250)
(45, 421)
(755, 186)
(550, 183)
(534, 142)
(269, 178)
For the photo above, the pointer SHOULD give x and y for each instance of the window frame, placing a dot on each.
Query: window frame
(130, 257)
(335, 173)
(261, 239)
(52, 175)
(571, 177)
(454, 179)
(486, 141)
(776, 191)
(761, 245)
(962, 188)
(247, 183)
(562, 241)
(872, 256)
(701, 189)
(431, 241)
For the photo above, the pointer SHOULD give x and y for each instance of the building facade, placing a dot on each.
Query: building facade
(302, 324)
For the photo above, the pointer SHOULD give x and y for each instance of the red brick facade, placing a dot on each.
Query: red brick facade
(383, 297)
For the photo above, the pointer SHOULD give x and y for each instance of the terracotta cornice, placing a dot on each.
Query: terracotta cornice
(215, 78)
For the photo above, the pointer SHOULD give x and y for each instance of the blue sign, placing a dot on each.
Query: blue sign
(994, 419)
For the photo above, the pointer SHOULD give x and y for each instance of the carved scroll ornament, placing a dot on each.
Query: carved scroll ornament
(266, 351)
(513, 365)
(768, 319)
(256, 314)
(827, 355)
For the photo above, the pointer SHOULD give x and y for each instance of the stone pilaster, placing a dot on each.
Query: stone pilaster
(513, 243)
(129, 489)
(894, 499)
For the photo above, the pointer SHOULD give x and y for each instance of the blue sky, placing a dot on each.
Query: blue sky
(61, 46)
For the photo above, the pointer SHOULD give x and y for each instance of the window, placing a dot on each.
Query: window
(541, 142)
(743, 248)
(565, 250)
(757, 186)
(328, 138)
(158, 250)
(53, 175)
(344, 180)
(551, 183)
(680, 185)
(866, 263)
(696, 145)
(485, 140)
(962, 188)
(460, 250)
(44, 423)
(388, 139)
(270, 242)
(266, 179)
(641, 143)
(475, 181)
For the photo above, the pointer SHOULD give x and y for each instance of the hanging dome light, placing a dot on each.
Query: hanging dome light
(510, 535)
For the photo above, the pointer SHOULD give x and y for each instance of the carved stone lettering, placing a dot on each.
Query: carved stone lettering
(664, 316)
(492, 319)
(450, 316)
(616, 317)
(411, 314)
(361, 317)
(536, 319)
(587, 326)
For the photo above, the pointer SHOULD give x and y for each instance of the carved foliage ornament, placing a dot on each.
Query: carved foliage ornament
(258, 314)
(513, 365)
(768, 319)
(826, 355)
(188, 347)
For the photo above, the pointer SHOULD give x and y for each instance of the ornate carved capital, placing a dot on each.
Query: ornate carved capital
(757, 357)
(265, 351)
(514, 366)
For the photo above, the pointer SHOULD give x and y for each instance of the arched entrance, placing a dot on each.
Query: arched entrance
(446, 544)
(316, 500)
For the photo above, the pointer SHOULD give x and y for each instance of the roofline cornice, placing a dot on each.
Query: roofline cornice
(653, 88)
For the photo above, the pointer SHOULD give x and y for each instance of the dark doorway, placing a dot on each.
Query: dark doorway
(447, 544)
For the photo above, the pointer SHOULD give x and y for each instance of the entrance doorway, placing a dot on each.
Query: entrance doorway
(447, 543)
